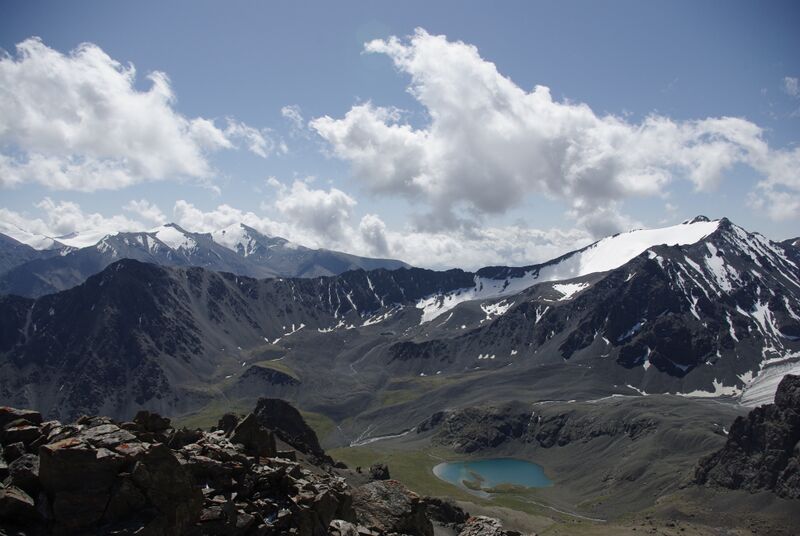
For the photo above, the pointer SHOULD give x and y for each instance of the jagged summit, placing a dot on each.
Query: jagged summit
(699, 309)
(237, 249)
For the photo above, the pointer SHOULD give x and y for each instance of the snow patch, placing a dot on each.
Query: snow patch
(174, 238)
(496, 309)
(236, 238)
(568, 290)
(761, 388)
(606, 254)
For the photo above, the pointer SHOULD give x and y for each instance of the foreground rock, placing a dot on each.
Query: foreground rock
(387, 506)
(99, 476)
(287, 423)
(763, 448)
(485, 526)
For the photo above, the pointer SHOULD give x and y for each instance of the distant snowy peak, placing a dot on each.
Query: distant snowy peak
(175, 237)
(246, 241)
(36, 241)
(237, 238)
(604, 255)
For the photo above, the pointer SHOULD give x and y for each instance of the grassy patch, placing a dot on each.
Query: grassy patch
(415, 470)
(208, 416)
(400, 396)
(412, 468)
(280, 367)
(321, 424)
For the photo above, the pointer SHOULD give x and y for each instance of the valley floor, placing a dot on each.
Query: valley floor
(684, 511)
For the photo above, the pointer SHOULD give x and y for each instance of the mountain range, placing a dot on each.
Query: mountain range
(703, 308)
(63, 262)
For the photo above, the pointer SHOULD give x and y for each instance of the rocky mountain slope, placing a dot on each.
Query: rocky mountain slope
(763, 448)
(238, 249)
(715, 314)
(140, 335)
(100, 476)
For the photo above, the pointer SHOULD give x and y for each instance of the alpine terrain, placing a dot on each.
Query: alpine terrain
(618, 366)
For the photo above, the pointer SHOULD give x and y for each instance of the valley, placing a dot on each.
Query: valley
(615, 381)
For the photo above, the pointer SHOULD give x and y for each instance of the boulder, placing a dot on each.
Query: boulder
(20, 431)
(379, 471)
(16, 506)
(445, 511)
(227, 423)
(24, 474)
(151, 422)
(256, 439)
(105, 475)
(287, 423)
(388, 506)
(13, 451)
(485, 526)
(339, 527)
(8, 414)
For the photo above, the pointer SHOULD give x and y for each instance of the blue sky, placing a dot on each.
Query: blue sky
(243, 63)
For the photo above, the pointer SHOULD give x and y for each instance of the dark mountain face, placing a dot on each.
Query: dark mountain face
(140, 333)
(792, 242)
(761, 452)
(712, 318)
(249, 253)
(703, 317)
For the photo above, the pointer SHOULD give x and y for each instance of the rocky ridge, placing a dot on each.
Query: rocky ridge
(101, 476)
(763, 449)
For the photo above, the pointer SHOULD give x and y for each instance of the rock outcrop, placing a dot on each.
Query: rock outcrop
(387, 506)
(485, 526)
(145, 477)
(287, 423)
(379, 471)
(763, 448)
(100, 476)
(474, 429)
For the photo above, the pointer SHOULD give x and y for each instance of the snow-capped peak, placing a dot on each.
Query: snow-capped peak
(174, 237)
(606, 254)
(36, 241)
(237, 238)
(83, 239)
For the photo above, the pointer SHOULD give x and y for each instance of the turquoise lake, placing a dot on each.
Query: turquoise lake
(493, 472)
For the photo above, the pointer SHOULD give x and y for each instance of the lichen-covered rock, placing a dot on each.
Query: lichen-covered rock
(388, 506)
(485, 526)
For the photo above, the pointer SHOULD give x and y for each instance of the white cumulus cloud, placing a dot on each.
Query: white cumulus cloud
(325, 213)
(146, 210)
(489, 144)
(77, 122)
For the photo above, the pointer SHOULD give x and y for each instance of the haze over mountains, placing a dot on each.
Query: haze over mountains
(703, 308)
(632, 355)
(40, 265)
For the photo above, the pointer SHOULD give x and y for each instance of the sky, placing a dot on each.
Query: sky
(441, 133)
